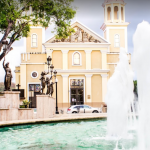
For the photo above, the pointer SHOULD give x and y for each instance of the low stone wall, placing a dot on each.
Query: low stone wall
(8, 114)
(25, 113)
(10, 111)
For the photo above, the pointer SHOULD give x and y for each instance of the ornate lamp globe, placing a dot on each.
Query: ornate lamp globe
(55, 72)
(49, 60)
(51, 67)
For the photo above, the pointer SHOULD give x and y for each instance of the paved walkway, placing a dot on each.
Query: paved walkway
(57, 118)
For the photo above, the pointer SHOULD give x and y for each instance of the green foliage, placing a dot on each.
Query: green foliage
(22, 106)
(15, 16)
(135, 87)
(26, 102)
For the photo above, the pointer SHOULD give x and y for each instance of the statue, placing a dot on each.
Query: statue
(85, 37)
(91, 39)
(76, 35)
(48, 85)
(42, 81)
(8, 76)
(51, 89)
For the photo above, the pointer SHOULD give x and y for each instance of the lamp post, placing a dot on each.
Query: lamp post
(55, 72)
(51, 67)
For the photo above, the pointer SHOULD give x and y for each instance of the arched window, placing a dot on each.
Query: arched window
(122, 17)
(117, 40)
(109, 13)
(76, 58)
(116, 15)
(34, 40)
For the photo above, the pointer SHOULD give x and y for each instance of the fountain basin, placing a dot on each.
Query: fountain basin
(89, 134)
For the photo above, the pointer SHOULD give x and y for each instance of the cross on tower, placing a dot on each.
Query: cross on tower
(18, 86)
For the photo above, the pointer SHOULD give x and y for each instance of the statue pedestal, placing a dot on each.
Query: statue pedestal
(9, 107)
(9, 104)
(45, 106)
(10, 100)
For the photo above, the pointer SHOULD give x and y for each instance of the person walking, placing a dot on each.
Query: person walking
(78, 109)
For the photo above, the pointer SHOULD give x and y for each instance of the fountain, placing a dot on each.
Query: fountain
(141, 61)
(119, 98)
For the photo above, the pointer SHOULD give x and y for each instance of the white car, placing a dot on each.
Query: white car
(82, 109)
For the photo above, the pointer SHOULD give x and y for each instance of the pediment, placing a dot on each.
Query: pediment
(82, 35)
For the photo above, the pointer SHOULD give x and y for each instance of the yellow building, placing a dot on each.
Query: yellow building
(84, 62)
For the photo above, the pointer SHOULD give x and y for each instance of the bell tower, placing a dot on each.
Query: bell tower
(115, 26)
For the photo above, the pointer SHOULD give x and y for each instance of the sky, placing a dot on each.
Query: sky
(91, 14)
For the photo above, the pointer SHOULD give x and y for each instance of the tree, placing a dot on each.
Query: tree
(135, 88)
(16, 17)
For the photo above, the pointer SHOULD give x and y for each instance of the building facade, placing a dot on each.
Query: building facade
(84, 61)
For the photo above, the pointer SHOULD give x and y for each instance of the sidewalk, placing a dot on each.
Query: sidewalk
(57, 118)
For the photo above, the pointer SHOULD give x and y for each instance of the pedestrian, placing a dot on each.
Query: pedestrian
(78, 109)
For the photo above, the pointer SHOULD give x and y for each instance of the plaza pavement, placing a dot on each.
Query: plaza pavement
(56, 118)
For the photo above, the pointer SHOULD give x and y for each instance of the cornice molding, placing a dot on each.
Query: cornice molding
(76, 45)
(32, 64)
(82, 71)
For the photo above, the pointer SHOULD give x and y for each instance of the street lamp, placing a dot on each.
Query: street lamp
(51, 68)
(49, 59)
(55, 72)
(5, 45)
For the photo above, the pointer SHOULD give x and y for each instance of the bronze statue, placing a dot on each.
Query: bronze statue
(42, 81)
(48, 85)
(8, 76)
(51, 89)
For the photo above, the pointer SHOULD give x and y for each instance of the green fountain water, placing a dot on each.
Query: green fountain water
(89, 135)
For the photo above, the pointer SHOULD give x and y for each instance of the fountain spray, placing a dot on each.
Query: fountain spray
(119, 98)
(141, 65)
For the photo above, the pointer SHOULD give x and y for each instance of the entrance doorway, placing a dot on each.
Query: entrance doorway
(77, 91)
(77, 97)
(34, 90)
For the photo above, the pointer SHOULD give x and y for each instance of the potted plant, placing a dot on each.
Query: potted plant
(26, 103)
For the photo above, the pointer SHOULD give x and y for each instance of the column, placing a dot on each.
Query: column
(65, 88)
(119, 12)
(88, 87)
(88, 59)
(104, 59)
(112, 13)
(65, 59)
(104, 86)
